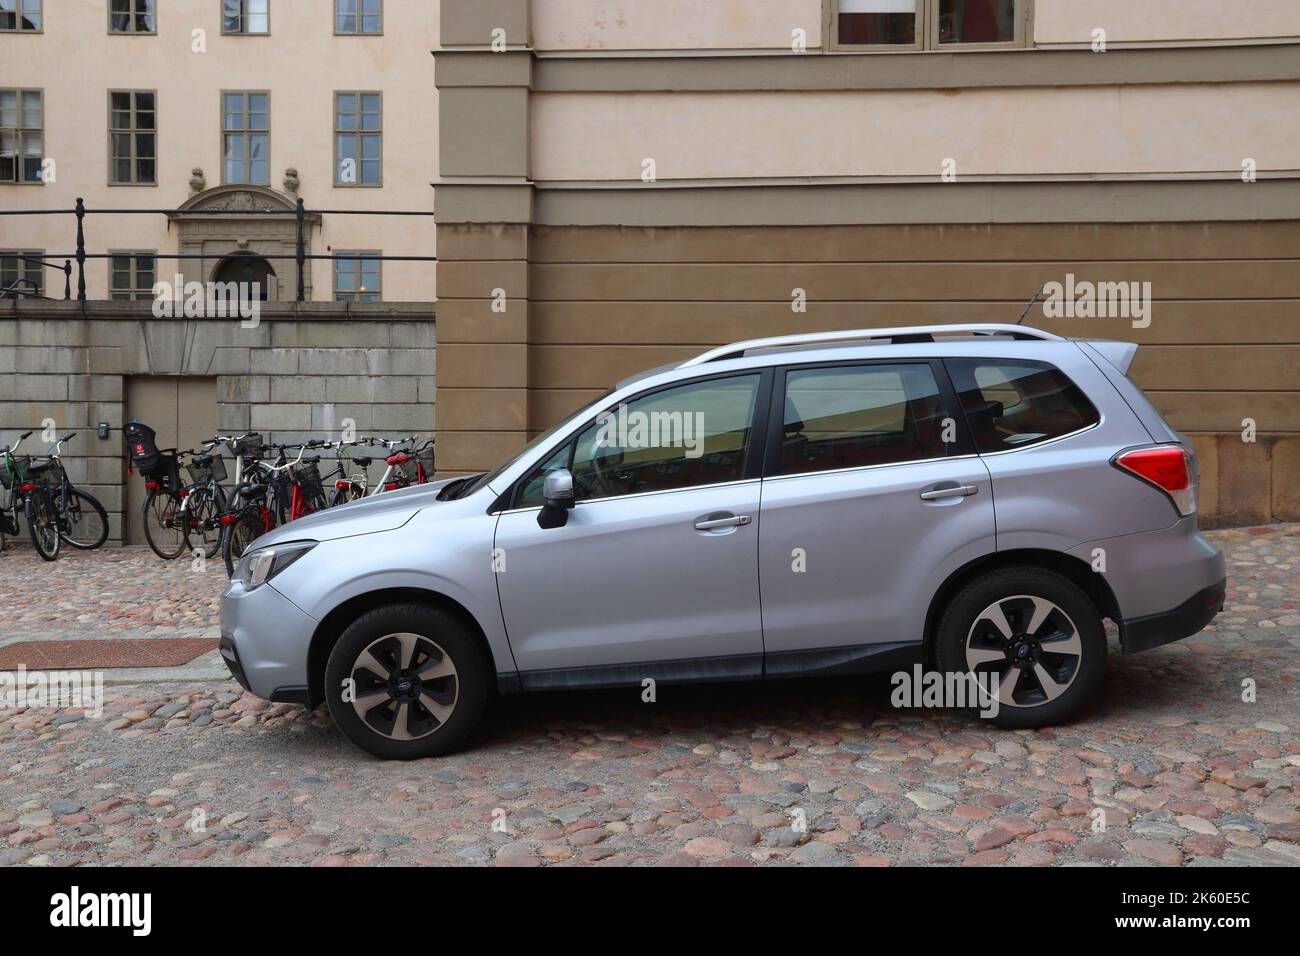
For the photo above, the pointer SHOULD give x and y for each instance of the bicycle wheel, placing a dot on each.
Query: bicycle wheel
(202, 529)
(237, 538)
(43, 524)
(342, 496)
(163, 525)
(87, 521)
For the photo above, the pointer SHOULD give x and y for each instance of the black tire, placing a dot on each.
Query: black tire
(87, 521)
(43, 524)
(236, 538)
(162, 524)
(203, 529)
(463, 694)
(1019, 592)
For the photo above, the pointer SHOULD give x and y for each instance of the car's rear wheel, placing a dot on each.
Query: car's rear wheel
(407, 681)
(1037, 633)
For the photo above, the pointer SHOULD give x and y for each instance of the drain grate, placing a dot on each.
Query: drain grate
(102, 655)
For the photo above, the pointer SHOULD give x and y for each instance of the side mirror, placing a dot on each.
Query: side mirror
(557, 489)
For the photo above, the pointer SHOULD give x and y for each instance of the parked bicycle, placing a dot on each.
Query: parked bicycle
(281, 492)
(27, 495)
(82, 520)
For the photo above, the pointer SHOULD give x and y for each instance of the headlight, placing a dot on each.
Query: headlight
(258, 567)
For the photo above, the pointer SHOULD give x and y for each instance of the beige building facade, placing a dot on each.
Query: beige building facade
(216, 106)
(623, 184)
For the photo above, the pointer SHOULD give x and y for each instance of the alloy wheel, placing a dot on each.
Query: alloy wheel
(405, 686)
(1030, 644)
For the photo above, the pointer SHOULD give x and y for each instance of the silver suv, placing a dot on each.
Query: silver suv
(974, 499)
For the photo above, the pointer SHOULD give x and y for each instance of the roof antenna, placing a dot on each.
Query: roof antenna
(1032, 302)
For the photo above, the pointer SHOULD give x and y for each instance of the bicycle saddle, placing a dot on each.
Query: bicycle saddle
(251, 491)
(363, 461)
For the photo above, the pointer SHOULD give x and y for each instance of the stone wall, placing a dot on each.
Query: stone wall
(298, 374)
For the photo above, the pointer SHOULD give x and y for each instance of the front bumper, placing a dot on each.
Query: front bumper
(1155, 630)
(265, 638)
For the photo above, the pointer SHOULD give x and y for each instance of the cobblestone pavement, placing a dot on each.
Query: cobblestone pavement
(1184, 770)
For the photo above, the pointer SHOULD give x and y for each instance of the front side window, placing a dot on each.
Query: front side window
(681, 437)
(358, 139)
(22, 136)
(21, 273)
(20, 15)
(133, 138)
(132, 16)
(250, 17)
(928, 24)
(132, 275)
(1010, 404)
(358, 16)
(856, 416)
(246, 138)
(357, 277)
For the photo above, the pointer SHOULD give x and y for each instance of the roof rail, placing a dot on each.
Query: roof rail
(909, 335)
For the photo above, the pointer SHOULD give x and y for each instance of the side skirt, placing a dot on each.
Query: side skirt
(821, 662)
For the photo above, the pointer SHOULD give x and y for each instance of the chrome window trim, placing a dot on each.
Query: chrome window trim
(638, 494)
(886, 464)
(1101, 420)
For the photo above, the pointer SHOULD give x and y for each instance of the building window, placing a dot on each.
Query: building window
(249, 17)
(22, 138)
(21, 273)
(21, 15)
(358, 16)
(133, 135)
(246, 138)
(357, 277)
(132, 16)
(930, 24)
(131, 275)
(358, 139)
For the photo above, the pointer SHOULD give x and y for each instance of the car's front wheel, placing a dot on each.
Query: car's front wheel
(1034, 631)
(407, 681)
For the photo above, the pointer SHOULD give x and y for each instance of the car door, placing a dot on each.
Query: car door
(871, 497)
(655, 573)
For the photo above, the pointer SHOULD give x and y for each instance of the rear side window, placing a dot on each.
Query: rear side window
(854, 416)
(1011, 404)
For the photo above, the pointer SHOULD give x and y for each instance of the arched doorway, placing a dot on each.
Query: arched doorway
(246, 268)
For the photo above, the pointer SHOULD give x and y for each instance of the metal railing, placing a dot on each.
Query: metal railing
(300, 256)
(12, 290)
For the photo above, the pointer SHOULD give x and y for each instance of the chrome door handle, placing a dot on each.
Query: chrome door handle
(957, 491)
(730, 521)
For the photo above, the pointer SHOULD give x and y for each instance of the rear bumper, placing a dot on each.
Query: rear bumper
(1155, 630)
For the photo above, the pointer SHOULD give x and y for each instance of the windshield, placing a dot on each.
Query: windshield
(474, 484)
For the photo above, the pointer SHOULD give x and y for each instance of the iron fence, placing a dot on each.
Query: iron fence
(300, 256)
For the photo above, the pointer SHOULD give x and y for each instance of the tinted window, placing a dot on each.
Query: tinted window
(530, 492)
(855, 416)
(1012, 404)
(695, 434)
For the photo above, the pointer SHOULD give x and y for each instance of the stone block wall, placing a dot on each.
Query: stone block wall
(299, 374)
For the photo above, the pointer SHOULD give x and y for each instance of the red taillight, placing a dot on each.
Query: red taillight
(227, 519)
(183, 493)
(151, 485)
(344, 485)
(391, 486)
(1169, 468)
(30, 486)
